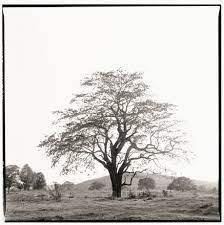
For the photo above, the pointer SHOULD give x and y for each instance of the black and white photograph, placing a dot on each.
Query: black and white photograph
(111, 113)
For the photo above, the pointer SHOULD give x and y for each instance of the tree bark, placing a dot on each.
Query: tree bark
(26, 187)
(116, 180)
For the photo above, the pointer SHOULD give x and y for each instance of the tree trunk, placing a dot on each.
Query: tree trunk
(116, 192)
(116, 180)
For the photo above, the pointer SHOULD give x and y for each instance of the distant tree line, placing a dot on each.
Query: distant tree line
(147, 184)
(178, 184)
(23, 178)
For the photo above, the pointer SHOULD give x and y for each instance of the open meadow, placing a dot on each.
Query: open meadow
(80, 203)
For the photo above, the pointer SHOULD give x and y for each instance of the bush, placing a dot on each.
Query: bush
(146, 183)
(181, 184)
(145, 194)
(96, 185)
(131, 195)
(165, 193)
(71, 195)
(214, 190)
(55, 193)
(19, 186)
(14, 189)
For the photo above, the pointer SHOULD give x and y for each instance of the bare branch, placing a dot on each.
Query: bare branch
(132, 177)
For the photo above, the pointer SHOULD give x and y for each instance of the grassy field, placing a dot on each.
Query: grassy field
(96, 205)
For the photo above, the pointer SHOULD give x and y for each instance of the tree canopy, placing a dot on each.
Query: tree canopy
(39, 181)
(11, 176)
(146, 183)
(26, 176)
(115, 122)
(181, 184)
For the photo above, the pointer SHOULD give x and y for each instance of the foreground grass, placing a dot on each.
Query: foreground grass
(24, 206)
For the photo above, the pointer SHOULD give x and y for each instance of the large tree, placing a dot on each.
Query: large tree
(11, 176)
(115, 122)
(181, 184)
(39, 181)
(26, 176)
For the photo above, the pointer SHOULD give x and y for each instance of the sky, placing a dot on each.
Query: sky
(49, 50)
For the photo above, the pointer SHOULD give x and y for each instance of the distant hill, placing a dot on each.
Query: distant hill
(67, 186)
(162, 182)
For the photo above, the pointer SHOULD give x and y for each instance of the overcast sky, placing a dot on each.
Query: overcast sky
(49, 50)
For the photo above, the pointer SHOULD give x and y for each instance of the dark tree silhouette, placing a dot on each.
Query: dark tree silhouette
(146, 183)
(181, 184)
(39, 181)
(114, 122)
(26, 176)
(11, 176)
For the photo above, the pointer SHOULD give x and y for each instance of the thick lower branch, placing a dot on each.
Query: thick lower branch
(134, 174)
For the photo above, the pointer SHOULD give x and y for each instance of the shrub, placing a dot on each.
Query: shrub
(96, 185)
(214, 190)
(165, 193)
(71, 195)
(14, 189)
(131, 195)
(181, 184)
(55, 193)
(145, 194)
(19, 185)
(146, 183)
